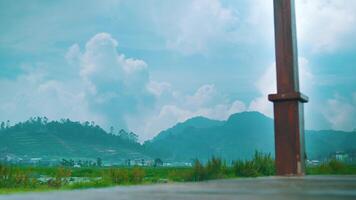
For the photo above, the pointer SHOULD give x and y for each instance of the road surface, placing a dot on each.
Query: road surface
(274, 188)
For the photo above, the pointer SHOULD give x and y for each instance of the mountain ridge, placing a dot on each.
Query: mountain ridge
(199, 137)
(239, 136)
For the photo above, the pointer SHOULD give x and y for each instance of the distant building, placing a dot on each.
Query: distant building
(313, 162)
(139, 162)
(340, 156)
(76, 166)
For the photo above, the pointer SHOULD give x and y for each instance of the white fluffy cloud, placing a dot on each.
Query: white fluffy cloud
(34, 94)
(115, 85)
(325, 25)
(107, 87)
(201, 25)
(341, 113)
(195, 26)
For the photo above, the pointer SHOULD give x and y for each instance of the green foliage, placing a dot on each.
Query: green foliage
(99, 162)
(260, 165)
(61, 178)
(264, 163)
(215, 168)
(22, 178)
(332, 167)
(90, 184)
(87, 172)
(137, 174)
(15, 178)
(119, 176)
(126, 176)
(245, 169)
(198, 172)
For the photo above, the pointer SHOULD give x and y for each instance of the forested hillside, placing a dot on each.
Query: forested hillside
(39, 138)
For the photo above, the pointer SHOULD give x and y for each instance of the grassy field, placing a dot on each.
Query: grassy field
(15, 179)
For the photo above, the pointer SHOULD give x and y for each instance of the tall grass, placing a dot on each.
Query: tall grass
(15, 178)
(260, 165)
(61, 178)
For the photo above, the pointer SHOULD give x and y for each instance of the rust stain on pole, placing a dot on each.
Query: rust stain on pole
(288, 102)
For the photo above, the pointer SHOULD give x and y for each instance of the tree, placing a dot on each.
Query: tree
(112, 130)
(133, 137)
(158, 162)
(2, 126)
(99, 162)
(45, 120)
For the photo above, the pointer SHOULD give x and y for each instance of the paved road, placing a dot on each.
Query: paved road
(274, 188)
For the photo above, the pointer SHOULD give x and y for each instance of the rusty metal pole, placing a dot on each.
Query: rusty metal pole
(288, 102)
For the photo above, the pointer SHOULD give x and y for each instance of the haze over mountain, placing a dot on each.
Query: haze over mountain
(236, 138)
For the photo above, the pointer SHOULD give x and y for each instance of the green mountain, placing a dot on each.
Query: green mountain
(67, 139)
(320, 144)
(238, 138)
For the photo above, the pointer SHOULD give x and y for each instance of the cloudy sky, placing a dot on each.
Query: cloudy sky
(146, 65)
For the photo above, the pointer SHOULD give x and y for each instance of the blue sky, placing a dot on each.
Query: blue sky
(146, 65)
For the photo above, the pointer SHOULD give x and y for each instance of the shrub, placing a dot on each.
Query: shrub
(215, 168)
(337, 167)
(119, 176)
(260, 165)
(15, 178)
(264, 164)
(137, 174)
(245, 168)
(5, 176)
(179, 175)
(61, 178)
(331, 167)
(198, 172)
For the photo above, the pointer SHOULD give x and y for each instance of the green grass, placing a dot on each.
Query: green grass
(15, 179)
(332, 167)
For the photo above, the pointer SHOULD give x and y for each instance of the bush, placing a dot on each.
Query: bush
(264, 164)
(119, 176)
(5, 176)
(137, 174)
(198, 172)
(245, 169)
(60, 178)
(331, 167)
(215, 168)
(337, 167)
(179, 175)
(15, 178)
(260, 165)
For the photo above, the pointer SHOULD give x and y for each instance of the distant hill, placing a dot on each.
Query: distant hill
(238, 138)
(67, 139)
(321, 143)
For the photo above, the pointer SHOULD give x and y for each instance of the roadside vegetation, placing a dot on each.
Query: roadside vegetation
(25, 178)
(332, 167)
